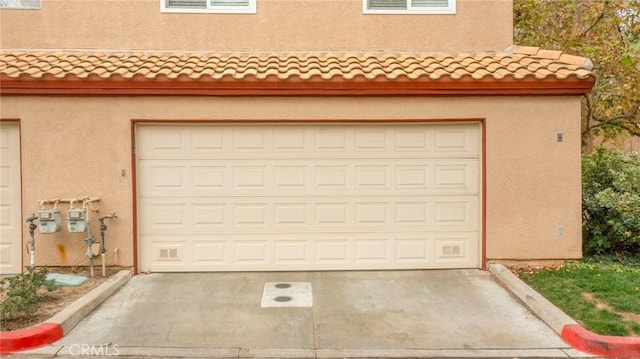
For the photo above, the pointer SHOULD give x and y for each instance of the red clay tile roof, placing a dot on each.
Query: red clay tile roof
(517, 64)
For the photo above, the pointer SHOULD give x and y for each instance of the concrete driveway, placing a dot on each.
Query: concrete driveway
(434, 313)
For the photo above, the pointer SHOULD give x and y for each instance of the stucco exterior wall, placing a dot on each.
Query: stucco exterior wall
(82, 147)
(278, 26)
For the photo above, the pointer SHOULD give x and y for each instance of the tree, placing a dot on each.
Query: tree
(608, 33)
(610, 202)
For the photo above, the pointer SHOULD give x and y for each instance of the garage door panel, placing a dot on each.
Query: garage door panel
(287, 178)
(172, 215)
(308, 214)
(412, 250)
(9, 141)
(165, 253)
(292, 252)
(333, 252)
(208, 216)
(456, 177)
(292, 140)
(168, 178)
(454, 248)
(8, 181)
(311, 252)
(412, 213)
(212, 252)
(163, 142)
(372, 139)
(332, 178)
(372, 177)
(269, 141)
(412, 177)
(310, 197)
(8, 217)
(206, 141)
(299, 176)
(250, 215)
(455, 140)
(296, 214)
(251, 140)
(249, 178)
(251, 253)
(413, 139)
(456, 213)
(368, 213)
(207, 178)
(10, 248)
(163, 177)
(373, 250)
(437, 213)
(332, 214)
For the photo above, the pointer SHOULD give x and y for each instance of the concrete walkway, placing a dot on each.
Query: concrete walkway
(435, 313)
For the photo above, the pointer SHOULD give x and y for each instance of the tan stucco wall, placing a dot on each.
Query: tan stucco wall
(278, 25)
(80, 146)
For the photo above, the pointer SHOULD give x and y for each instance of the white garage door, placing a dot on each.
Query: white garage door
(10, 223)
(308, 197)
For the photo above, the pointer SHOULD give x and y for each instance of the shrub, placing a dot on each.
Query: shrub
(22, 292)
(610, 202)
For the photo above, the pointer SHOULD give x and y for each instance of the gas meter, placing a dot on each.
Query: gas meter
(49, 221)
(77, 220)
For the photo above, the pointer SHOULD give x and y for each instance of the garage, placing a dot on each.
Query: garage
(10, 222)
(299, 196)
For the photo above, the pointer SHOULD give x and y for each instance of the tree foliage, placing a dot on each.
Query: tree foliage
(608, 33)
(610, 202)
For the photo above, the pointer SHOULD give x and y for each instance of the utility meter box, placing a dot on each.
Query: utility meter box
(49, 221)
(77, 220)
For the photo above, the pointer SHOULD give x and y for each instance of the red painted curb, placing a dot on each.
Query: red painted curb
(31, 338)
(592, 343)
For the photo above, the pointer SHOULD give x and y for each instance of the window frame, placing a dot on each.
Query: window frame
(8, 7)
(250, 9)
(448, 10)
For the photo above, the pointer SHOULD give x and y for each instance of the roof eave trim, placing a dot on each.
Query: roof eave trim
(332, 88)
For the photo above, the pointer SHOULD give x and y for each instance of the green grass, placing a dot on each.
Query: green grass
(616, 285)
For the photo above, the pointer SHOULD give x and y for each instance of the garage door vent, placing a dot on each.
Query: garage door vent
(169, 254)
(451, 250)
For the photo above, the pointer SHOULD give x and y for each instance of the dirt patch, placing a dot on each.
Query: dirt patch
(632, 317)
(60, 298)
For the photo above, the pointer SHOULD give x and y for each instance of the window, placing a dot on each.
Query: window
(215, 6)
(409, 6)
(20, 4)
